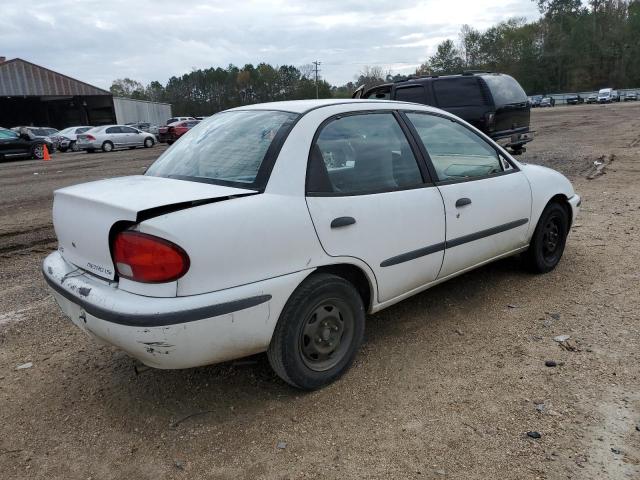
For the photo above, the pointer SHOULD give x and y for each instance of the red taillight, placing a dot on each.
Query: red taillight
(91, 137)
(148, 259)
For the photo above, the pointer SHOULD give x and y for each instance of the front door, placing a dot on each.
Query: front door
(487, 199)
(369, 198)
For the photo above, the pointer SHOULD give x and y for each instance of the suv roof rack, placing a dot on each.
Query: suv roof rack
(473, 72)
(415, 77)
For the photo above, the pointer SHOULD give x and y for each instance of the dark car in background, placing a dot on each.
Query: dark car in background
(631, 96)
(22, 144)
(51, 136)
(170, 133)
(494, 103)
(573, 99)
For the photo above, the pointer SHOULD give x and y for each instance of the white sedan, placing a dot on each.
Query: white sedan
(277, 227)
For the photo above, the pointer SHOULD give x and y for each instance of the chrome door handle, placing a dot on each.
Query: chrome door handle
(342, 222)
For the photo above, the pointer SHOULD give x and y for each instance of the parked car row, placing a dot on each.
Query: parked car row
(605, 95)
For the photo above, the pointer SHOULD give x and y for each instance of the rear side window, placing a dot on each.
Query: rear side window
(229, 148)
(456, 152)
(505, 90)
(113, 130)
(413, 94)
(459, 92)
(360, 154)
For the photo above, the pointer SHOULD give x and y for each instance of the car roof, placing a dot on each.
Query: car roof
(304, 106)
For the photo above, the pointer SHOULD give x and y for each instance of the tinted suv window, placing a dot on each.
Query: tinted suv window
(360, 154)
(413, 94)
(455, 151)
(459, 92)
(505, 90)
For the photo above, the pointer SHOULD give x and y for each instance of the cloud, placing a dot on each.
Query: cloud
(97, 41)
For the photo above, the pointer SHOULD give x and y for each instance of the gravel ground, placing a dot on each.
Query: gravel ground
(447, 384)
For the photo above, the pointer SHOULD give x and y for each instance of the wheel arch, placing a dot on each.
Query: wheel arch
(357, 276)
(562, 200)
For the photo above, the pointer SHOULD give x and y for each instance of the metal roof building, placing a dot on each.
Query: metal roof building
(34, 95)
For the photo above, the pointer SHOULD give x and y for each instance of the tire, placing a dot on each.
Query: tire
(107, 146)
(549, 239)
(132, 148)
(148, 142)
(73, 146)
(37, 152)
(319, 332)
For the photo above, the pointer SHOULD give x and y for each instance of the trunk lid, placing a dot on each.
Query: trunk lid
(83, 215)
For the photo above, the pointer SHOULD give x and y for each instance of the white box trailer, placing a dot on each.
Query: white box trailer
(129, 110)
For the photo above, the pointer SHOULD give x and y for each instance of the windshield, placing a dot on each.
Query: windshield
(228, 148)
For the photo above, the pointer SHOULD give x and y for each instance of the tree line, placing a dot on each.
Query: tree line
(571, 47)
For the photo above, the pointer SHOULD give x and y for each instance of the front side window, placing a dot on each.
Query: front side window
(363, 153)
(128, 130)
(8, 134)
(227, 148)
(457, 153)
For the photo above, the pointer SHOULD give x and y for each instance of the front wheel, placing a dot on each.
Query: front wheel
(148, 142)
(38, 151)
(319, 332)
(549, 239)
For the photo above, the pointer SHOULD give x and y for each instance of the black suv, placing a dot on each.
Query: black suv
(21, 144)
(494, 103)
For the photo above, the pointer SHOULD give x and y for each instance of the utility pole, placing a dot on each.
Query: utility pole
(317, 69)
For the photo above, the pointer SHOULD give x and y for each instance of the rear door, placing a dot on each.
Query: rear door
(487, 199)
(369, 198)
(115, 136)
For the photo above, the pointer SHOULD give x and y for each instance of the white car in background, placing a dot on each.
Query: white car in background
(68, 137)
(109, 137)
(277, 227)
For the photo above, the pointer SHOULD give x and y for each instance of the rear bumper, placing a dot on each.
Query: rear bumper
(169, 333)
(89, 145)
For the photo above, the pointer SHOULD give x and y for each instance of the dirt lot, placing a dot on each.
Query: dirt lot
(447, 384)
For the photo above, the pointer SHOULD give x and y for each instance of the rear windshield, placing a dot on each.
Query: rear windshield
(505, 89)
(228, 148)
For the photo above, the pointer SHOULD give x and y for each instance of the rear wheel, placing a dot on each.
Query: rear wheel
(73, 146)
(549, 239)
(319, 332)
(107, 146)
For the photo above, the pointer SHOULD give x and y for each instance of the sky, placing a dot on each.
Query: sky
(99, 41)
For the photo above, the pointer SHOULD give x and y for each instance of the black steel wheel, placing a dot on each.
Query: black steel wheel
(319, 332)
(549, 239)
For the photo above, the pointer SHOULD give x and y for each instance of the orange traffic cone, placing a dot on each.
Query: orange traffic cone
(46, 153)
